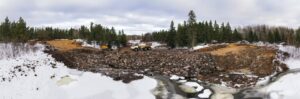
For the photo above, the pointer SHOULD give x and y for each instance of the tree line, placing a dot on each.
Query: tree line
(18, 31)
(191, 33)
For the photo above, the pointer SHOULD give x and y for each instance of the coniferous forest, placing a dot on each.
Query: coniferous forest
(192, 32)
(189, 33)
(18, 31)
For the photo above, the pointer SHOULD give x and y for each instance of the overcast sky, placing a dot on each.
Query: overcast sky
(140, 16)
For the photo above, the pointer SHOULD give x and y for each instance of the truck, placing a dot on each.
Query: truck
(141, 47)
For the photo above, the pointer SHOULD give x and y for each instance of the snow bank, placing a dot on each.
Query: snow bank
(293, 62)
(37, 76)
(13, 50)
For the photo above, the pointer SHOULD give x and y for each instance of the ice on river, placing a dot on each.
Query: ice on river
(286, 87)
(38, 76)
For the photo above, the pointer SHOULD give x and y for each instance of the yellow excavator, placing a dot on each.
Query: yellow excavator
(104, 46)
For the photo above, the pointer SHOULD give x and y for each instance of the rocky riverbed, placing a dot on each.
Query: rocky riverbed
(235, 65)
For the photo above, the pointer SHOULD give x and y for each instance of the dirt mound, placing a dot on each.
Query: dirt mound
(246, 59)
(235, 64)
(64, 44)
(230, 49)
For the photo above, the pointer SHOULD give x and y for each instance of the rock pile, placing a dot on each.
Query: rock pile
(238, 65)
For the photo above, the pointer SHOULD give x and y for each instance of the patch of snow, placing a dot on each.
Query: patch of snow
(293, 62)
(195, 85)
(187, 89)
(182, 81)
(41, 82)
(206, 93)
(199, 47)
(260, 43)
(134, 41)
(84, 43)
(79, 40)
(155, 44)
(93, 44)
(175, 77)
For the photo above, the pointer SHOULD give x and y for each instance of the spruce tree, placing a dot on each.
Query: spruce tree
(236, 36)
(277, 37)
(21, 30)
(271, 37)
(6, 29)
(171, 36)
(192, 18)
(123, 39)
(192, 29)
(222, 34)
(228, 33)
(255, 37)
(250, 36)
(216, 31)
(298, 36)
(92, 31)
(210, 32)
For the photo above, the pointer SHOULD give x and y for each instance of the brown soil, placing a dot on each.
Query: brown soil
(232, 63)
(231, 49)
(246, 59)
(64, 44)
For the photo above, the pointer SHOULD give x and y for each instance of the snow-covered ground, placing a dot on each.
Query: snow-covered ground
(12, 50)
(288, 86)
(293, 61)
(36, 75)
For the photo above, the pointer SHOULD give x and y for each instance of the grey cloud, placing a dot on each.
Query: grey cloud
(140, 16)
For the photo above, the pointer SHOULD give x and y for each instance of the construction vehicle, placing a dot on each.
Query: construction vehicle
(104, 46)
(141, 47)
